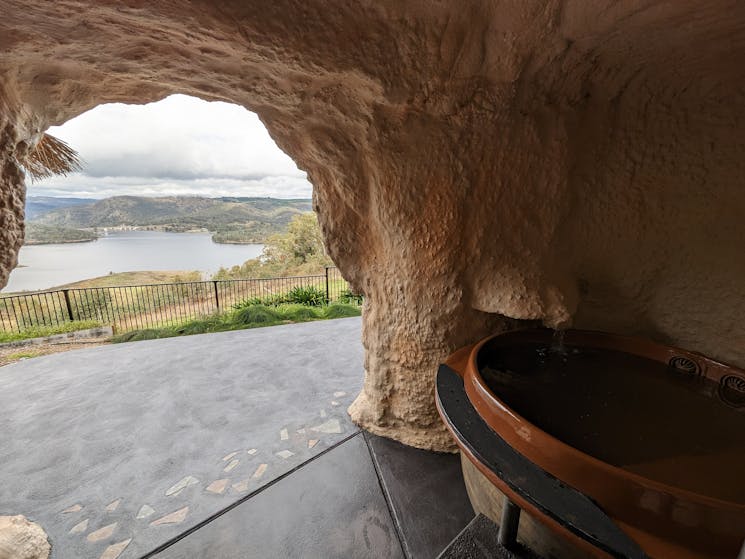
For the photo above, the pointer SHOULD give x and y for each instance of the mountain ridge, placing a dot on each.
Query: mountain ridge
(38, 205)
(228, 218)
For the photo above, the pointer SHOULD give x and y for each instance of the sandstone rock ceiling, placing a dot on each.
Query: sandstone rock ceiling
(569, 162)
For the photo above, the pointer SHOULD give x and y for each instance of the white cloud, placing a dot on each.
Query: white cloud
(180, 145)
(80, 186)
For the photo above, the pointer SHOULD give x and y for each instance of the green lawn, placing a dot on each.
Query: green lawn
(44, 331)
(251, 316)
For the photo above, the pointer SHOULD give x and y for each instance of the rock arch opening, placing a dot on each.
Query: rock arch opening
(148, 172)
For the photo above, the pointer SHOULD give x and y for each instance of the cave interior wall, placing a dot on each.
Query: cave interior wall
(475, 168)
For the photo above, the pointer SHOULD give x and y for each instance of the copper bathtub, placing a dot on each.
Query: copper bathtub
(664, 519)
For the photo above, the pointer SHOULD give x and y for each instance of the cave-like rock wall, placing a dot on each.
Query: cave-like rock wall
(568, 162)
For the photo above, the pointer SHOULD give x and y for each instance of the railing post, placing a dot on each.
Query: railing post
(217, 298)
(328, 297)
(66, 292)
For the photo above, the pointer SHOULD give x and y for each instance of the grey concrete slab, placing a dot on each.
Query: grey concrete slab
(128, 422)
(331, 508)
(427, 495)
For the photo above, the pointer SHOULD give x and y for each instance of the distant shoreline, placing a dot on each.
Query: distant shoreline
(36, 243)
(51, 265)
(230, 220)
(155, 229)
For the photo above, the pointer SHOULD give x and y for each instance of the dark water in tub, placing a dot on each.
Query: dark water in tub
(628, 411)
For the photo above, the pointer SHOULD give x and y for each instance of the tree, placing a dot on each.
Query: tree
(298, 251)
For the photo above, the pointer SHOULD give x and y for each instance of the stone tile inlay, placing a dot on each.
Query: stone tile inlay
(285, 454)
(176, 517)
(330, 426)
(233, 464)
(259, 471)
(80, 527)
(229, 456)
(312, 443)
(112, 506)
(145, 511)
(241, 486)
(283, 435)
(182, 484)
(115, 550)
(102, 533)
(218, 486)
(74, 508)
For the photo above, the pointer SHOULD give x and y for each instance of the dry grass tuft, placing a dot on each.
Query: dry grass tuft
(51, 156)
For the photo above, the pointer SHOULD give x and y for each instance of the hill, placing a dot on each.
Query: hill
(37, 234)
(229, 219)
(38, 205)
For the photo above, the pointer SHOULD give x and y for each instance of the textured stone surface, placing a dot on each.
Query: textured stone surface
(560, 161)
(22, 539)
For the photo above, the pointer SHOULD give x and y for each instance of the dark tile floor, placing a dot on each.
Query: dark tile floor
(365, 497)
(426, 493)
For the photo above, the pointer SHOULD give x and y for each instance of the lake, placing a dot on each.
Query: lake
(48, 266)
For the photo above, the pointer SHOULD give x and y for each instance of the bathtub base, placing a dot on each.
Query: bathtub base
(488, 500)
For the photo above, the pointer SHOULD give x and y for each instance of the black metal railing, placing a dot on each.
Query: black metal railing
(156, 305)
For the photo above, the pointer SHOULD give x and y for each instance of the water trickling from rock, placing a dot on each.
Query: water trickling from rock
(557, 342)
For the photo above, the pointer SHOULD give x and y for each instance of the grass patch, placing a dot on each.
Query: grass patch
(22, 355)
(145, 334)
(44, 331)
(136, 278)
(341, 310)
(251, 316)
(300, 313)
(256, 314)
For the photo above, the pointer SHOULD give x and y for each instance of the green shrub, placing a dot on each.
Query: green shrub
(252, 315)
(256, 314)
(299, 313)
(199, 326)
(248, 302)
(349, 298)
(270, 300)
(146, 334)
(307, 295)
(341, 310)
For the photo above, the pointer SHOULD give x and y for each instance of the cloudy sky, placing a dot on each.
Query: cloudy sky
(177, 146)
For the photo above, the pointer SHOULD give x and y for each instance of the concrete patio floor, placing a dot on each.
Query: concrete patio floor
(234, 444)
